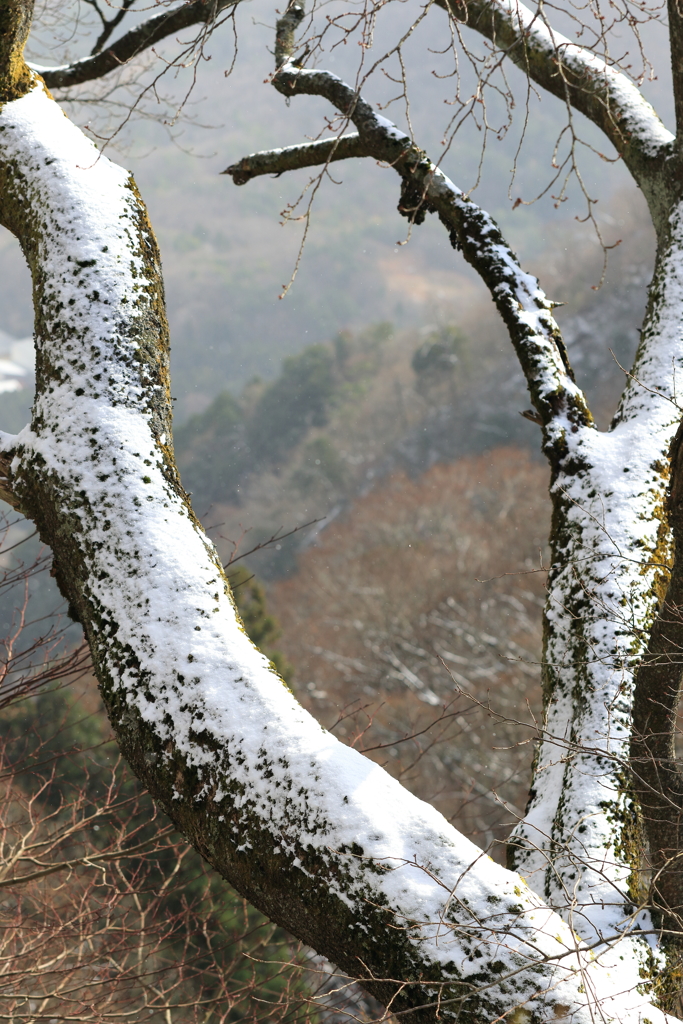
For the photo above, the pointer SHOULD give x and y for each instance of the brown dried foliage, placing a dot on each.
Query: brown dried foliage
(388, 607)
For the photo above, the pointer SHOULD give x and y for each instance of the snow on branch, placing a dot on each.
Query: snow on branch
(526, 310)
(570, 72)
(134, 42)
(292, 158)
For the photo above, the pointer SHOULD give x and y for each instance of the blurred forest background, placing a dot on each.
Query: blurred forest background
(364, 436)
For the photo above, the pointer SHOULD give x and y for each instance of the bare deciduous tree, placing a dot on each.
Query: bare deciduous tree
(317, 837)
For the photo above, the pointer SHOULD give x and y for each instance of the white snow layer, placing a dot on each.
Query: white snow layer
(612, 556)
(153, 577)
(640, 118)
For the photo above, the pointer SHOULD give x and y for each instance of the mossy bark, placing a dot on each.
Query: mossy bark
(15, 25)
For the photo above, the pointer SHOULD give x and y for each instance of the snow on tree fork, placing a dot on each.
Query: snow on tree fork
(315, 835)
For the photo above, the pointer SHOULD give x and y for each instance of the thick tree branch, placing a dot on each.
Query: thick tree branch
(573, 74)
(133, 43)
(523, 306)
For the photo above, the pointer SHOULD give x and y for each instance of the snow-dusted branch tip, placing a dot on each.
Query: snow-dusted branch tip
(292, 158)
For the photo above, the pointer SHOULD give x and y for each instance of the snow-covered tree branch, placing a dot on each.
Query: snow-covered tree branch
(293, 158)
(574, 74)
(577, 844)
(521, 303)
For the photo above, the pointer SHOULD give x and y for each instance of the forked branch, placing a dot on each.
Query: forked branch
(109, 25)
(524, 308)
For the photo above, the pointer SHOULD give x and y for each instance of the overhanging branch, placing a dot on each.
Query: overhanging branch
(133, 43)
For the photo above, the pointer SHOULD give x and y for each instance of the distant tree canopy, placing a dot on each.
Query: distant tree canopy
(219, 447)
(238, 437)
(439, 353)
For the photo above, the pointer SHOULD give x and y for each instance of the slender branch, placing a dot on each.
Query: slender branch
(572, 73)
(525, 309)
(292, 158)
(273, 539)
(133, 43)
(98, 858)
(65, 669)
